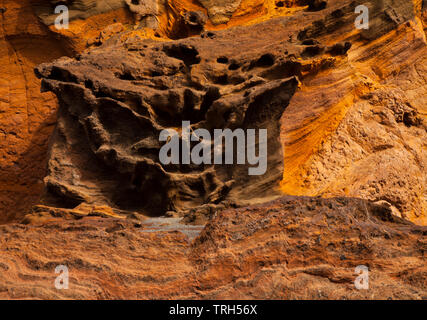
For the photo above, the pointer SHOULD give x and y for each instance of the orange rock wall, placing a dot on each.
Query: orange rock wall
(27, 116)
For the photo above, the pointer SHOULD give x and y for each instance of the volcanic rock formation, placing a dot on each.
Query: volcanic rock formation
(345, 111)
(105, 149)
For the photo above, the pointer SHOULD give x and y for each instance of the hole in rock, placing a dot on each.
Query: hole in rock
(186, 53)
(312, 51)
(266, 60)
(208, 34)
(280, 4)
(222, 80)
(210, 97)
(126, 76)
(310, 42)
(234, 66)
(337, 14)
(156, 73)
(316, 5)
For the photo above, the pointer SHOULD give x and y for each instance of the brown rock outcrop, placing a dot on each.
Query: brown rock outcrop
(26, 42)
(122, 109)
(365, 118)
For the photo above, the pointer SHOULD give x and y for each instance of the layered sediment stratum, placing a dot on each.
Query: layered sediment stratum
(82, 185)
(291, 248)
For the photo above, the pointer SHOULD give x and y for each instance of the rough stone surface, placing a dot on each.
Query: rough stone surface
(106, 146)
(346, 112)
(27, 117)
(220, 11)
(366, 118)
(292, 248)
(78, 9)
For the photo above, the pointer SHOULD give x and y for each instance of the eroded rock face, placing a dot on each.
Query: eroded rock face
(346, 115)
(106, 146)
(27, 117)
(357, 141)
(313, 171)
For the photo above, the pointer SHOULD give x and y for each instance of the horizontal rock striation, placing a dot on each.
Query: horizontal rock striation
(291, 248)
(353, 139)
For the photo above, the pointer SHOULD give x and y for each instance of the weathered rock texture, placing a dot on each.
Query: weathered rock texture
(106, 146)
(27, 116)
(292, 248)
(362, 134)
(367, 133)
(346, 114)
(220, 11)
(28, 38)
